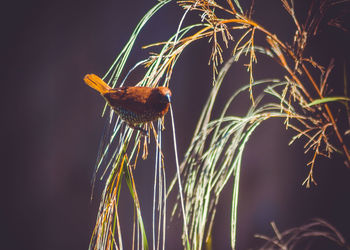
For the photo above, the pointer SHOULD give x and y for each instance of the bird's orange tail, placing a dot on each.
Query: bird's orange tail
(97, 83)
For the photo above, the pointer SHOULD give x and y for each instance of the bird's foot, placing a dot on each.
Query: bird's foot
(143, 131)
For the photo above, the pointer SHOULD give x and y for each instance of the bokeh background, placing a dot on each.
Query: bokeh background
(51, 124)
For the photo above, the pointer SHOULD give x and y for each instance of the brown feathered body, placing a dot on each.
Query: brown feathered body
(134, 105)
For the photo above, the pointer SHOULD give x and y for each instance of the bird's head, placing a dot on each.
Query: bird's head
(165, 95)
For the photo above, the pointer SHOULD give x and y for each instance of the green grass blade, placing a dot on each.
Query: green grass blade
(132, 190)
(239, 6)
(329, 99)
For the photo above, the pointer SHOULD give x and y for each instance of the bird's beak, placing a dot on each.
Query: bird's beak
(168, 97)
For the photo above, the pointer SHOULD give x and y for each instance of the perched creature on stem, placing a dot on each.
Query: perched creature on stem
(134, 105)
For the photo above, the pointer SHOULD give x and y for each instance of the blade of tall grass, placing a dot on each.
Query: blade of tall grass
(159, 187)
(329, 99)
(186, 238)
(131, 185)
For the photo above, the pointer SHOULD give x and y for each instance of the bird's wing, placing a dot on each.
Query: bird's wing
(135, 99)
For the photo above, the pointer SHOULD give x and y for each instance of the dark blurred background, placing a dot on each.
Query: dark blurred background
(51, 124)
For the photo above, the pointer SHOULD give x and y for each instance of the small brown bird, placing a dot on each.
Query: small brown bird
(134, 105)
